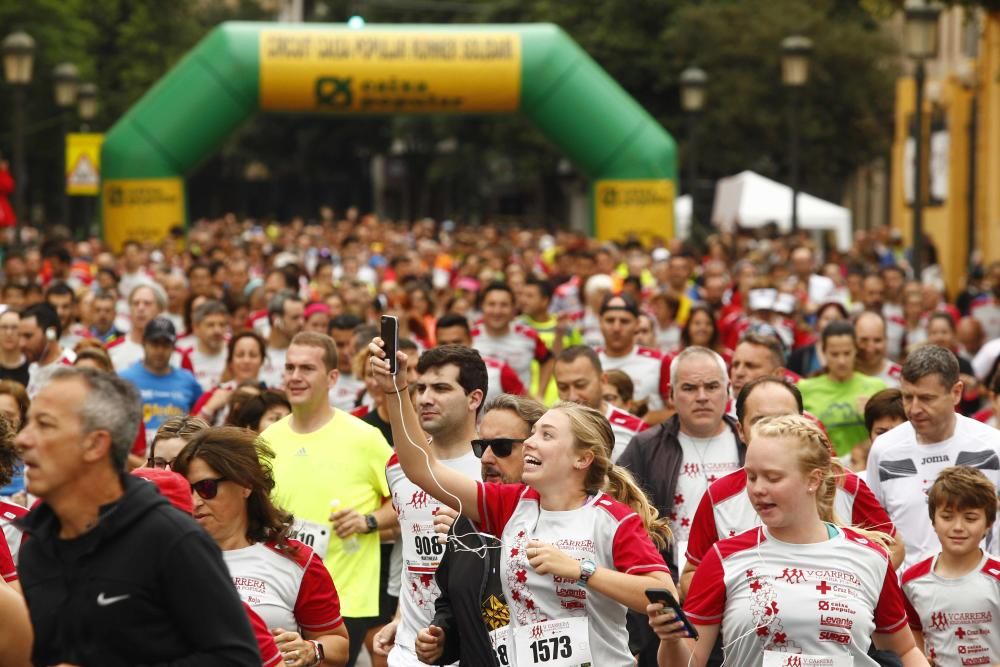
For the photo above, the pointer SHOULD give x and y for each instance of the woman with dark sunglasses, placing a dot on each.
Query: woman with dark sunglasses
(575, 538)
(282, 580)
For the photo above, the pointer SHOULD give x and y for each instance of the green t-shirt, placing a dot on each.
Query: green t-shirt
(836, 405)
(345, 461)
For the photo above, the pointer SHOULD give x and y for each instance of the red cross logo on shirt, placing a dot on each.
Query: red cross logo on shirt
(960, 633)
(711, 479)
(678, 499)
(755, 586)
(822, 588)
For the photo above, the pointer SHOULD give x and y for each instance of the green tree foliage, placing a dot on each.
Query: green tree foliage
(470, 165)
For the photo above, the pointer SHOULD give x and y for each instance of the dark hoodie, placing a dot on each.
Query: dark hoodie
(146, 586)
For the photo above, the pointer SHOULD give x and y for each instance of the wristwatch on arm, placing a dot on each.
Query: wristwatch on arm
(371, 522)
(587, 569)
(320, 655)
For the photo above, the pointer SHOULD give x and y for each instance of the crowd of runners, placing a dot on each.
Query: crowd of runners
(764, 452)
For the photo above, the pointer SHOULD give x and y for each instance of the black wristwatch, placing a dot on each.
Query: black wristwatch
(371, 522)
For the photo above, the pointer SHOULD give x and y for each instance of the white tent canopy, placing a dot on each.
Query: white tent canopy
(682, 217)
(751, 200)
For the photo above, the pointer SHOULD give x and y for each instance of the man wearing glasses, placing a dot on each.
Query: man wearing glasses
(451, 385)
(139, 582)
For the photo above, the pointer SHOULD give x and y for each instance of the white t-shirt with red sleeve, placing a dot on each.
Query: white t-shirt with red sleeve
(501, 379)
(604, 531)
(207, 368)
(725, 511)
(779, 599)
(648, 370)
(9, 513)
(624, 426)
(960, 618)
(518, 347)
(288, 589)
(422, 552)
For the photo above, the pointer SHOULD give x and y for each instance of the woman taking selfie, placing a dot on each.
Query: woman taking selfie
(282, 580)
(799, 584)
(574, 537)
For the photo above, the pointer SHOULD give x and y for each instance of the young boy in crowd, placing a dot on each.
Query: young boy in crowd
(953, 599)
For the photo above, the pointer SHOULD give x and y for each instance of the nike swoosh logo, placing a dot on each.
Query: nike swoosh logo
(105, 601)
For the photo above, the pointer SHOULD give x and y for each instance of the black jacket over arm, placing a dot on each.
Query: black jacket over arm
(464, 576)
(147, 586)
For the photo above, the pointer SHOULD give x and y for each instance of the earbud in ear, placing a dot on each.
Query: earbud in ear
(50, 334)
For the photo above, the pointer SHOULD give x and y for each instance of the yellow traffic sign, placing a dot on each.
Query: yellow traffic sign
(83, 163)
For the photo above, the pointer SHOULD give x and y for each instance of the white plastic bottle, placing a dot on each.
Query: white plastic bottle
(350, 544)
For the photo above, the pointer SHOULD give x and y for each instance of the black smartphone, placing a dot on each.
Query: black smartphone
(390, 338)
(667, 598)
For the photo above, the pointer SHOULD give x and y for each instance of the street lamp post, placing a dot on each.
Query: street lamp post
(693, 82)
(86, 101)
(920, 36)
(66, 81)
(18, 59)
(795, 53)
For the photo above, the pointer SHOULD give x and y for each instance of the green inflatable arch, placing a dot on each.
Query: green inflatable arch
(240, 68)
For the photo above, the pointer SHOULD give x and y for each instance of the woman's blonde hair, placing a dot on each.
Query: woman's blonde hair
(592, 432)
(814, 452)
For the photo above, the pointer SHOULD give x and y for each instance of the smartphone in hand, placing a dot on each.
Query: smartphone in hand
(668, 600)
(390, 339)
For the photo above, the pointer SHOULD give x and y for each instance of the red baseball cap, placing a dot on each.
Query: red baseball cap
(172, 486)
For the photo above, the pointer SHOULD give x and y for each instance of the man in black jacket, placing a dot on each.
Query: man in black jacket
(113, 575)
(471, 614)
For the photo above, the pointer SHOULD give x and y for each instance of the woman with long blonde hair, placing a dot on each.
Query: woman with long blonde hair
(801, 584)
(576, 537)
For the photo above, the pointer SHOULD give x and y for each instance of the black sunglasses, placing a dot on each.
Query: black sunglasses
(207, 488)
(501, 447)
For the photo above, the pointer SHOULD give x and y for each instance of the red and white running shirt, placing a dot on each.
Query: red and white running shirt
(290, 589)
(648, 370)
(9, 513)
(960, 618)
(269, 653)
(207, 368)
(625, 426)
(725, 511)
(603, 530)
(822, 599)
(39, 376)
(501, 379)
(518, 347)
(421, 550)
(891, 374)
(344, 395)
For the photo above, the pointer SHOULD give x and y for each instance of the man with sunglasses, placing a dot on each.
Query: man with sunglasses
(471, 613)
(450, 388)
(579, 379)
(140, 582)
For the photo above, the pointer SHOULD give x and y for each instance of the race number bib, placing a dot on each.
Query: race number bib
(422, 552)
(314, 535)
(558, 643)
(500, 641)
(777, 659)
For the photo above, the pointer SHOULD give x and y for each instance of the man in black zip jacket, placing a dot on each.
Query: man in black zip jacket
(112, 573)
(472, 603)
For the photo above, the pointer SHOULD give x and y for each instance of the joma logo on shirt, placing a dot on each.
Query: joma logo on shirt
(944, 458)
